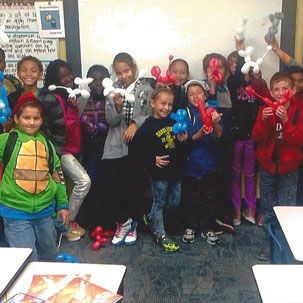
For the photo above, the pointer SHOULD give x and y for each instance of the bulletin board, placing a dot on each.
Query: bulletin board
(24, 38)
(151, 30)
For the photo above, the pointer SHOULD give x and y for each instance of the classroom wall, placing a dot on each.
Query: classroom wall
(152, 30)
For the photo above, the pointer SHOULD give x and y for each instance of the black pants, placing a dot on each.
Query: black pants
(199, 196)
(122, 189)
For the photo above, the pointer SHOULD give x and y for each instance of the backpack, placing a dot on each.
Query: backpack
(10, 145)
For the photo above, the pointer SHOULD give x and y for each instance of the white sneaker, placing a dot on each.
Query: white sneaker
(131, 238)
(121, 232)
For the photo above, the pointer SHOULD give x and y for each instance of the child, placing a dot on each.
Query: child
(219, 97)
(180, 69)
(29, 71)
(62, 127)
(279, 135)
(200, 185)
(123, 118)
(94, 131)
(30, 189)
(163, 157)
(245, 110)
(11, 83)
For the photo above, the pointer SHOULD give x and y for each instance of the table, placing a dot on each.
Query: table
(107, 276)
(291, 221)
(11, 262)
(279, 283)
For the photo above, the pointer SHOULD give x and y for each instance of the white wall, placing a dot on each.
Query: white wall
(151, 30)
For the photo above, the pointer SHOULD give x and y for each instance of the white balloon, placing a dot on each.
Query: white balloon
(245, 68)
(85, 94)
(107, 82)
(52, 87)
(78, 81)
(77, 91)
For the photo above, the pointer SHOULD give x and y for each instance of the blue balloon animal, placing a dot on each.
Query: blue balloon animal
(181, 121)
(65, 257)
(5, 111)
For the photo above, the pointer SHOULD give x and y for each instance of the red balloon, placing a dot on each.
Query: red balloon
(98, 229)
(156, 71)
(108, 233)
(93, 233)
(96, 245)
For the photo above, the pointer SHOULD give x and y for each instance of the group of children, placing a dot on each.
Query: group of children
(132, 149)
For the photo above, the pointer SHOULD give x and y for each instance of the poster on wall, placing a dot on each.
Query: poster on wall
(50, 19)
(24, 38)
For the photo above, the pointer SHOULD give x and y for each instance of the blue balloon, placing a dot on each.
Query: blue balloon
(181, 121)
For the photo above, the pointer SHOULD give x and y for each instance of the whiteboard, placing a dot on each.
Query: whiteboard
(151, 30)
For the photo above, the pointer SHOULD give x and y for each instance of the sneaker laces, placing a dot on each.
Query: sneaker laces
(120, 229)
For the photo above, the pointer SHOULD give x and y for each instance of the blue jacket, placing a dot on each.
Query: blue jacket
(203, 155)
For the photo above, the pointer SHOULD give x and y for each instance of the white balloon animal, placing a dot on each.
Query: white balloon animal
(3, 36)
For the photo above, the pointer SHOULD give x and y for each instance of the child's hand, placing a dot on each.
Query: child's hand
(182, 136)
(198, 135)
(162, 161)
(73, 101)
(267, 112)
(130, 132)
(64, 214)
(215, 117)
(211, 81)
(281, 112)
(118, 100)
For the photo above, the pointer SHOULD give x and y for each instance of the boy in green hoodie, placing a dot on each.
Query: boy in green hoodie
(32, 187)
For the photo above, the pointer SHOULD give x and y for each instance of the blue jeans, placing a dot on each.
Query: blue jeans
(166, 195)
(276, 190)
(300, 187)
(39, 235)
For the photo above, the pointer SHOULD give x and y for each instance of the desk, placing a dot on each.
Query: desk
(11, 262)
(291, 221)
(108, 276)
(279, 283)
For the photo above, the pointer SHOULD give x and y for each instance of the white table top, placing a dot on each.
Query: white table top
(279, 283)
(105, 275)
(11, 260)
(291, 221)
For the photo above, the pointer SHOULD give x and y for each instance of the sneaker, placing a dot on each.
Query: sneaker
(228, 228)
(237, 217)
(147, 223)
(218, 229)
(76, 228)
(122, 230)
(71, 236)
(131, 238)
(263, 254)
(210, 237)
(189, 236)
(260, 220)
(167, 243)
(249, 215)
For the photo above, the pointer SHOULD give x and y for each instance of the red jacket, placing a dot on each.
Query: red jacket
(264, 133)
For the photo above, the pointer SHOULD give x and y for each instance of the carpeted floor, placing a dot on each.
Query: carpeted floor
(198, 272)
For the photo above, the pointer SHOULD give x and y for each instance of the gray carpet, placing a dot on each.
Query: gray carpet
(198, 272)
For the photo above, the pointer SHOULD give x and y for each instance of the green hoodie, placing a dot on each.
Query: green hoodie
(27, 184)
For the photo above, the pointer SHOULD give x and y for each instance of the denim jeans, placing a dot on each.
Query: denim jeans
(38, 234)
(300, 187)
(276, 190)
(166, 195)
(75, 171)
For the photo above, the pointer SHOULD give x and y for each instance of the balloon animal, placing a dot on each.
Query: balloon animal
(248, 62)
(180, 117)
(273, 29)
(5, 111)
(82, 89)
(240, 29)
(168, 78)
(127, 93)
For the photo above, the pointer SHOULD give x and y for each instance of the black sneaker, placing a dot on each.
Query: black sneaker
(189, 236)
(210, 237)
(147, 224)
(167, 243)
